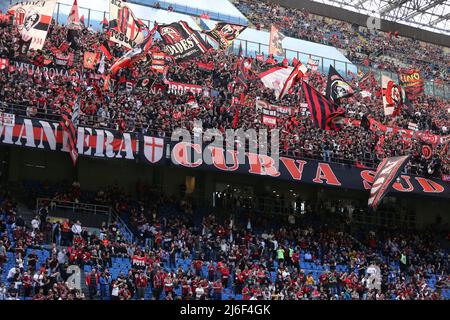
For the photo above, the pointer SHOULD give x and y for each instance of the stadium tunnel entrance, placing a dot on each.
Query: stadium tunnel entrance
(248, 196)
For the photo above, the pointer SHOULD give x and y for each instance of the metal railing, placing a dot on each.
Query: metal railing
(81, 209)
(95, 17)
(367, 160)
(124, 229)
(189, 10)
(73, 206)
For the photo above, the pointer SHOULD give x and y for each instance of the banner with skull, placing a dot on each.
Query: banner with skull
(337, 87)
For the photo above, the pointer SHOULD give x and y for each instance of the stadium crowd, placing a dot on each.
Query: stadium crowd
(381, 50)
(221, 257)
(160, 112)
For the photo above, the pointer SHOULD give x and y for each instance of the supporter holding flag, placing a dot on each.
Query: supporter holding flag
(136, 53)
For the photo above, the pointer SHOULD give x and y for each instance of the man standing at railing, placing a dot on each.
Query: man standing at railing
(65, 233)
(56, 233)
(76, 229)
(43, 213)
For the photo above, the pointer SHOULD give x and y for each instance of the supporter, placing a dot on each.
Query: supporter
(154, 113)
(252, 265)
(370, 47)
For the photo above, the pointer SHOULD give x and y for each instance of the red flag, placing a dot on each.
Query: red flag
(104, 47)
(236, 118)
(64, 46)
(73, 19)
(4, 63)
(82, 20)
(206, 66)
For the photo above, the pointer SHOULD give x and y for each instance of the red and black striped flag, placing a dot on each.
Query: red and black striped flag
(104, 47)
(243, 71)
(324, 113)
(67, 126)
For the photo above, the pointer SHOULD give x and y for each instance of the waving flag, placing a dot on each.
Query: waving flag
(135, 54)
(324, 114)
(337, 87)
(275, 44)
(412, 83)
(181, 42)
(33, 19)
(275, 78)
(104, 47)
(243, 71)
(158, 61)
(387, 171)
(296, 75)
(69, 129)
(73, 20)
(90, 60)
(224, 33)
(124, 28)
(392, 96)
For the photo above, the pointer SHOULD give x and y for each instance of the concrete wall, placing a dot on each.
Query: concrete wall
(360, 19)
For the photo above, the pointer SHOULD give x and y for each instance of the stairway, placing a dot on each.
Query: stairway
(84, 287)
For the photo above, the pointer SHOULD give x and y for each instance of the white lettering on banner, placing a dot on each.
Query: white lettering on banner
(27, 126)
(65, 141)
(83, 140)
(181, 88)
(7, 133)
(99, 144)
(49, 133)
(50, 72)
(108, 142)
(127, 146)
(109, 148)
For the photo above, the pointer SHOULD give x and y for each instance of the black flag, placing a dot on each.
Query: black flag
(337, 87)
